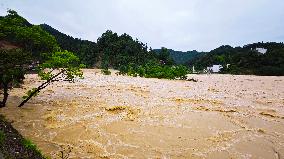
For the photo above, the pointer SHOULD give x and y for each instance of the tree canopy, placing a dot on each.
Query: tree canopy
(60, 66)
(35, 44)
(32, 38)
(118, 51)
(13, 66)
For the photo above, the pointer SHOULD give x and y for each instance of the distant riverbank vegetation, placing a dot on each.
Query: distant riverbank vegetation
(131, 56)
(246, 60)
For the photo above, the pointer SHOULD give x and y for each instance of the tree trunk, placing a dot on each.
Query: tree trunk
(6, 94)
(39, 88)
(29, 97)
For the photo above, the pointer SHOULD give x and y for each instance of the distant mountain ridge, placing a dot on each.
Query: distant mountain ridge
(181, 57)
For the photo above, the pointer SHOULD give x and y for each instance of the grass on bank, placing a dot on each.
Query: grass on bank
(28, 144)
(2, 137)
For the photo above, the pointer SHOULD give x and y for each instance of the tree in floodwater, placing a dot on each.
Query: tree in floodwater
(13, 66)
(60, 66)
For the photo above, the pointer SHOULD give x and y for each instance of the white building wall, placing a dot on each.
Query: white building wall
(261, 50)
(216, 68)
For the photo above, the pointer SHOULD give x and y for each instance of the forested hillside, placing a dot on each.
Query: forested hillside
(134, 58)
(110, 51)
(245, 60)
(84, 49)
(16, 30)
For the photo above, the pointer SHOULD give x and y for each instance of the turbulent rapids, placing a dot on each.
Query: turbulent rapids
(220, 116)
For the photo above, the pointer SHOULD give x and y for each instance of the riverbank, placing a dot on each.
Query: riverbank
(13, 145)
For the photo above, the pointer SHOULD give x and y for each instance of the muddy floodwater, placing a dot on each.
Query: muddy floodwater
(220, 116)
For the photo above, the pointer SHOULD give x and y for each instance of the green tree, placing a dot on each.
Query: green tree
(119, 51)
(13, 66)
(164, 57)
(60, 66)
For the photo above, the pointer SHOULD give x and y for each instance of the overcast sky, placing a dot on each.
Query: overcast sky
(178, 24)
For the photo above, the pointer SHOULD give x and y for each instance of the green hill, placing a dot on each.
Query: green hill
(16, 30)
(110, 50)
(84, 49)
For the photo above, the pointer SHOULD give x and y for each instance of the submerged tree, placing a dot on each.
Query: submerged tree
(13, 66)
(60, 66)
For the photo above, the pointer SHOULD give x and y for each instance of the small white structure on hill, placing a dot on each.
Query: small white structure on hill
(260, 50)
(215, 68)
(193, 69)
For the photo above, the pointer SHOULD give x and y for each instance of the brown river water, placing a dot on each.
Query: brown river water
(220, 116)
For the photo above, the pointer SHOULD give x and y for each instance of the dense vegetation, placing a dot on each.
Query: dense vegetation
(133, 58)
(245, 60)
(12, 70)
(120, 52)
(159, 66)
(155, 70)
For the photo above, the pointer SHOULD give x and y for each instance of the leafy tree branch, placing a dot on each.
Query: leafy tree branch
(61, 66)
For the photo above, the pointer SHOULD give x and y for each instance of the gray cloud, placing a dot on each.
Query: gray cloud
(178, 24)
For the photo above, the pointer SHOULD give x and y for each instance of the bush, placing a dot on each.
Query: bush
(28, 144)
(156, 70)
(270, 71)
(105, 72)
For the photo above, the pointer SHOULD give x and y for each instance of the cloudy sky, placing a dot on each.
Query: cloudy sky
(178, 24)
